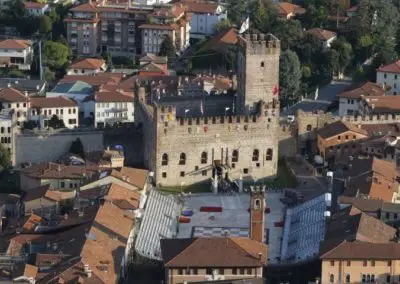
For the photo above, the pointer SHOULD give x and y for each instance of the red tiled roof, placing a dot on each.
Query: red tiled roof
(88, 63)
(213, 252)
(159, 26)
(196, 7)
(12, 95)
(49, 102)
(364, 89)
(85, 8)
(106, 96)
(322, 34)
(338, 127)
(96, 80)
(221, 40)
(34, 5)
(14, 44)
(285, 8)
(391, 68)
(383, 104)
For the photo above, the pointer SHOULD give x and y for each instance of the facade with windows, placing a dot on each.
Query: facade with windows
(388, 76)
(16, 53)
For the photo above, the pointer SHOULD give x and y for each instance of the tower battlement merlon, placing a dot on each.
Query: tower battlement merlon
(259, 43)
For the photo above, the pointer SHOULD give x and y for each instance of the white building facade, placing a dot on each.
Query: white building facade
(36, 9)
(18, 53)
(388, 77)
(204, 18)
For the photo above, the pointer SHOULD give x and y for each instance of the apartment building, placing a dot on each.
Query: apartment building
(16, 52)
(15, 102)
(42, 109)
(6, 131)
(205, 15)
(87, 66)
(36, 9)
(106, 26)
(172, 21)
(109, 107)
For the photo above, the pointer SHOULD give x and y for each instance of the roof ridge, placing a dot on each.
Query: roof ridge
(233, 239)
(195, 240)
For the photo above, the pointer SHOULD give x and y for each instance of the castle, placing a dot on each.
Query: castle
(198, 138)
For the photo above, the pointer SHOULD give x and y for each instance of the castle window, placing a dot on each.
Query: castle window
(182, 159)
(164, 160)
(164, 175)
(235, 156)
(257, 204)
(204, 173)
(204, 158)
(254, 118)
(309, 127)
(182, 174)
(230, 119)
(214, 120)
(256, 155)
(348, 278)
(331, 278)
(262, 64)
(245, 170)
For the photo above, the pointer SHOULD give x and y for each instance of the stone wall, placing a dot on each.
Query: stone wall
(47, 146)
(217, 137)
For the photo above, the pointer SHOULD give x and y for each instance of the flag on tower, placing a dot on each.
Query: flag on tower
(201, 107)
(245, 26)
(275, 90)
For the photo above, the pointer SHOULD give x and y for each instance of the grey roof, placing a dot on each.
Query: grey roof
(23, 85)
(307, 105)
(160, 221)
(391, 207)
(77, 87)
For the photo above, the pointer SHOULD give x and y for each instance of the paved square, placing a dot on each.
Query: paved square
(234, 220)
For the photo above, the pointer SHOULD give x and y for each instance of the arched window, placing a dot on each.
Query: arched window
(204, 158)
(257, 204)
(368, 278)
(182, 159)
(269, 155)
(332, 278)
(235, 156)
(164, 160)
(348, 278)
(256, 155)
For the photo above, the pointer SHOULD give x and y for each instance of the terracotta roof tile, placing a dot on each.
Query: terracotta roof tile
(364, 250)
(95, 80)
(137, 177)
(12, 95)
(286, 8)
(151, 57)
(198, 7)
(322, 34)
(213, 252)
(88, 63)
(224, 38)
(390, 68)
(338, 127)
(108, 96)
(58, 171)
(14, 44)
(123, 198)
(51, 102)
(383, 104)
(363, 89)
(85, 8)
(34, 5)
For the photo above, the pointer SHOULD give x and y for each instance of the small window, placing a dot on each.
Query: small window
(257, 204)
(234, 271)
(204, 158)
(338, 137)
(196, 168)
(332, 263)
(204, 173)
(269, 155)
(331, 278)
(235, 156)
(256, 155)
(348, 263)
(364, 263)
(241, 271)
(389, 263)
(348, 278)
(249, 271)
(209, 271)
(388, 278)
(221, 271)
(372, 262)
(180, 271)
(62, 184)
(245, 170)
(164, 175)
(262, 64)
(182, 159)
(309, 127)
(385, 75)
(347, 137)
(182, 174)
(194, 271)
(164, 160)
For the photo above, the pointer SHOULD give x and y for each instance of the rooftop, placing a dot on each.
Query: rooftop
(356, 91)
(390, 68)
(22, 85)
(339, 127)
(213, 252)
(88, 63)
(383, 104)
(51, 102)
(15, 44)
(286, 8)
(12, 95)
(34, 5)
(322, 34)
(58, 171)
(151, 57)
(73, 87)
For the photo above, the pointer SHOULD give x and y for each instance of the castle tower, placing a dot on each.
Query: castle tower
(257, 206)
(258, 70)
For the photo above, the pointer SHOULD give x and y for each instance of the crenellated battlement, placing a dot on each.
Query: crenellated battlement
(370, 119)
(259, 44)
(266, 112)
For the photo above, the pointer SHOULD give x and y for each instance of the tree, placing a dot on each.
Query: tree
(222, 25)
(45, 24)
(5, 158)
(167, 48)
(345, 54)
(49, 75)
(55, 54)
(289, 32)
(55, 122)
(235, 10)
(289, 77)
(77, 148)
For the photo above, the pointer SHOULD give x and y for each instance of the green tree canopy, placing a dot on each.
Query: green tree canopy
(55, 122)
(222, 25)
(77, 148)
(289, 77)
(5, 158)
(345, 53)
(45, 24)
(167, 48)
(55, 54)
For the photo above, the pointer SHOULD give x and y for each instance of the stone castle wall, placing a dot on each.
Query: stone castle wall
(218, 137)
